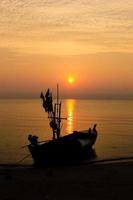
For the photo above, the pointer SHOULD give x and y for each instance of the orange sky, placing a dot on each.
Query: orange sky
(42, 43)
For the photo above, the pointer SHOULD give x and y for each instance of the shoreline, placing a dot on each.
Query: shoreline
(105, 180)
(78, 163)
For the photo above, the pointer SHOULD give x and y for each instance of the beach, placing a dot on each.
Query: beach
(109, 180)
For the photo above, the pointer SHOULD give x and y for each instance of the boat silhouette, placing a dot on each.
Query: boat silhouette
(60, 149)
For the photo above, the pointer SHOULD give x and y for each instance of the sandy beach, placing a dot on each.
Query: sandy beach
(94, 181)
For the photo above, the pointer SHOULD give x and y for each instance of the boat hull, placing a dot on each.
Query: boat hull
(75, 146)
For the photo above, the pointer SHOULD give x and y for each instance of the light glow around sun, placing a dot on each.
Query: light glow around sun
(71, 79)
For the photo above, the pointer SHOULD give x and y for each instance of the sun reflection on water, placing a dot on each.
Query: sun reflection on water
(70, 109)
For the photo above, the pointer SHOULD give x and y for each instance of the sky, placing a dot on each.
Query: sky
(43, 42)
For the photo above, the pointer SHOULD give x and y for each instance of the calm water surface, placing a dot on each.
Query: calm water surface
(18, 118)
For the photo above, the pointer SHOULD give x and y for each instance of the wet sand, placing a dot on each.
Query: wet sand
(93, 181)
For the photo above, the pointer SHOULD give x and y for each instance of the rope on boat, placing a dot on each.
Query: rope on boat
(43, 141)
(23, 159)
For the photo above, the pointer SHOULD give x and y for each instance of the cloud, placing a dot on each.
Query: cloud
(75, 26)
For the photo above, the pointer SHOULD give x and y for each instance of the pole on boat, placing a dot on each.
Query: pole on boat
(57, 101)
(58, 113)
(59, 120)
(54, 112)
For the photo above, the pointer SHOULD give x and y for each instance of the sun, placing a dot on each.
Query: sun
(70, 79)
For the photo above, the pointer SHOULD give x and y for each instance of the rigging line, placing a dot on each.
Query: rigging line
(23, 159)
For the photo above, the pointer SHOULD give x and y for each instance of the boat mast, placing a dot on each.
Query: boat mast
(57, 105)
(58, 113)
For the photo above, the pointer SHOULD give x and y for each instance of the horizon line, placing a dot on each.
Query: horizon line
(64, 98)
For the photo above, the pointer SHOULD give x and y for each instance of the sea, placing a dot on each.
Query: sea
(21, 117)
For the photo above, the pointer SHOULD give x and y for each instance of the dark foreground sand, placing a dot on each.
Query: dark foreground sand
(94, 181)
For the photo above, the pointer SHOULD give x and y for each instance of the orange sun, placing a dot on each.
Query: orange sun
(71, 79)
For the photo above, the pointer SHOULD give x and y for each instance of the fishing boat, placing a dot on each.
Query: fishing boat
(59, 149)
